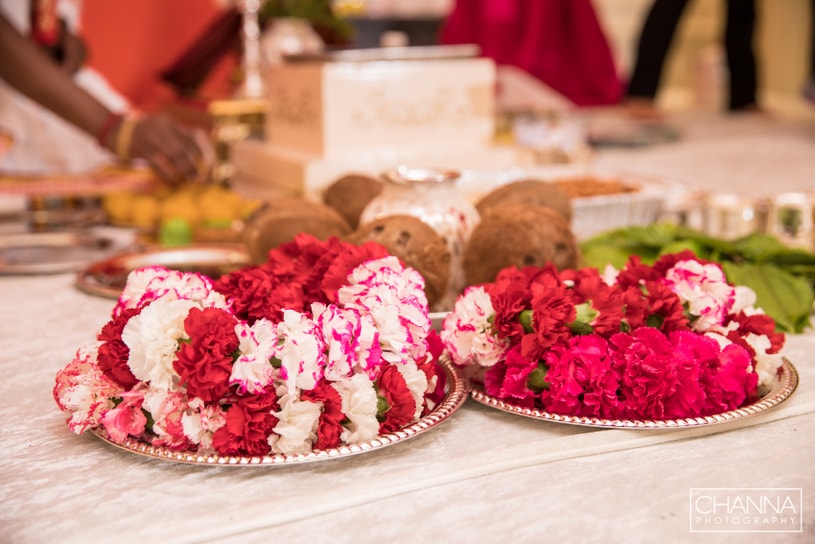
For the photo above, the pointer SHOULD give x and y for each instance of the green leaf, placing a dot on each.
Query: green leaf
(698, 248)
(525, 319)
(757, 247)
(537, 379)
(382, 408)
(786, 298)
(601, 255)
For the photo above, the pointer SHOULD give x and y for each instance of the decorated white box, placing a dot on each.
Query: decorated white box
(333, 109)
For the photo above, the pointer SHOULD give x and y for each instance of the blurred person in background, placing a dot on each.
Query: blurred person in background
(559, 42)
(655, 40)
(59, 116)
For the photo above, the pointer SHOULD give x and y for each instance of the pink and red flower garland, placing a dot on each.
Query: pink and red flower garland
(668, 341)
(325, 344)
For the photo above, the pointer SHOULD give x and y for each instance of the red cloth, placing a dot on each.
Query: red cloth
(558, 41)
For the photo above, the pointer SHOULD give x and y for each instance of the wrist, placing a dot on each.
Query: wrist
(124, 136)
(107, 129)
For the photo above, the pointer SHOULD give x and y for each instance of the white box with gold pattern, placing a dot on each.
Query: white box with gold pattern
(332, 109)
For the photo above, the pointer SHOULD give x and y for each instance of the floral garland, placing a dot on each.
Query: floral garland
(672, 340)
(323, 345)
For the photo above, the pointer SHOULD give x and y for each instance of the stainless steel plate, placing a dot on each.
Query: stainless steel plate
(57, 252)
(107, 277)
(454, 398)
(787, 383)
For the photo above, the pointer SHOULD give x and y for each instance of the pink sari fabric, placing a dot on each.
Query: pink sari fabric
(558, 41)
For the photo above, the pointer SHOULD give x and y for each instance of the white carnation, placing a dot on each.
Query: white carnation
(152, 337)
(301, 351)
(296, 430)
(359, 404)
(466, 331)
(252, 370)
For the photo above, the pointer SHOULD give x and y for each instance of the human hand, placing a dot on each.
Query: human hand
(175, 152)
(74, 53)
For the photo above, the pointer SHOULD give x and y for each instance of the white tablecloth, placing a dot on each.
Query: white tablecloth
(481, 476)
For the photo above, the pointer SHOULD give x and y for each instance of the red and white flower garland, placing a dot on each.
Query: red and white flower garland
(672, 340)
(323, 345)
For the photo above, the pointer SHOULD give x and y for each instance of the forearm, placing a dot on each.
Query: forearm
(34, 74)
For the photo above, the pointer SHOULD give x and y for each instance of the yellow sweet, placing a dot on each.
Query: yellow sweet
(144, 211)
(201, 207)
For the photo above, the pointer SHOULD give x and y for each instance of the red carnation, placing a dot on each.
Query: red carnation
(665, 304)
(204, 364)
(249, 422)
(112, 354)
(515, 384)
(582, 379)
(510, 296)
(659, 380)
(605, 299)
(758, 324)
(432, 370)
(494, 377)
(399, 404)
(729, 380)
(552, 312)
(330, 427)
(254, 294)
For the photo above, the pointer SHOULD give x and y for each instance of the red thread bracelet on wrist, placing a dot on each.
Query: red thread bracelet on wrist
(110, 123)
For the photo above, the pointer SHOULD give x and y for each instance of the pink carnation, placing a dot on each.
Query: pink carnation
(127, 418)
(83, 391)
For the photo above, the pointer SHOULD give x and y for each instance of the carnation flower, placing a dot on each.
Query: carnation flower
(204, 363)
(465, 330)
(359, 404)
(669, 340)
(252, 370)
(296, 429)
(396, 404)
(152, 337)
(83, 391)
(329, 426)
(150, 283)
(200, 421)
(166, 409)
(352, 340)
(704, 288)
(127, 417)
(300, 350)
(416, 382)
(394, 297)
(325, 344)
(248, 424)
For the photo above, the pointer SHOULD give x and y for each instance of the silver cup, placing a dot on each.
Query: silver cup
(729, 216)
(791, 217)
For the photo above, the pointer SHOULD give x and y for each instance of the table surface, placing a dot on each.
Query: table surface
(481, 476)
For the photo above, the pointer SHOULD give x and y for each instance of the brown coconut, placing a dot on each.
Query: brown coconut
(528, 191)
(350, 194)
(519, 235)
(416, 244)
(280, 220)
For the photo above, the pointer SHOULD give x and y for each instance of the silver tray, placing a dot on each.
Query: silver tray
(107, 277)
(453, 399)
(787, 383)
(56, 252)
